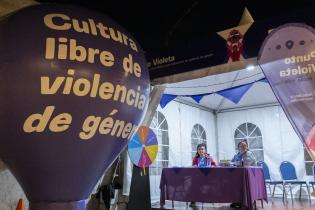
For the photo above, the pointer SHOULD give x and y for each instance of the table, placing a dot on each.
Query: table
(213, 185)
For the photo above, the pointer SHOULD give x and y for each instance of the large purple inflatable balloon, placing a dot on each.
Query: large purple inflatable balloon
(73, 88)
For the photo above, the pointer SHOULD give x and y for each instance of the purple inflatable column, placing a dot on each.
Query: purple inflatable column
(74, 86)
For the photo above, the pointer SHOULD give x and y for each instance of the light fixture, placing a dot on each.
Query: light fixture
(250, 67)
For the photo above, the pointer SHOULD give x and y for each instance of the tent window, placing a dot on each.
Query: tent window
(308, 163)
(252, 133)
(198, 136)
(160, 127)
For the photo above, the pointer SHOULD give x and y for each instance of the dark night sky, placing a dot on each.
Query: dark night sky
(158, 24)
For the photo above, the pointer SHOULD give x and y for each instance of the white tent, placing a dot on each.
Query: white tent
(215, 119)
(258, 117)
(214, 83)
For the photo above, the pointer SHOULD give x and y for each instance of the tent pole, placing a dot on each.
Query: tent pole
(216, 133)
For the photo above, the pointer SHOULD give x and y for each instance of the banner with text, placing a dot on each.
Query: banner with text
(229, 47)
(287, 58)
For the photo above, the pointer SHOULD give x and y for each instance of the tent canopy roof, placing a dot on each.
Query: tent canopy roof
(260, 93)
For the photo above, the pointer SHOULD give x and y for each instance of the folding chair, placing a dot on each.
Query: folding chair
(269, 182)
(288, 173)
(312, 183)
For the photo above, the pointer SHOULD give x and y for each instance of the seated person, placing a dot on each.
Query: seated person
(244, 157)
(202, 158)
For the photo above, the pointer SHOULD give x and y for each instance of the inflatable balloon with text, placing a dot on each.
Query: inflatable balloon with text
(74, 86)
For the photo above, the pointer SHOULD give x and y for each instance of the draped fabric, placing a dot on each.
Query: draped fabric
(280, 141)
(166, 98)
(198, 98)
(181, 119)
(234, 94)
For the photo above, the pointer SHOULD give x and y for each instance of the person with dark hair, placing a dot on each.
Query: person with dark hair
(202, 159)
(244, 157)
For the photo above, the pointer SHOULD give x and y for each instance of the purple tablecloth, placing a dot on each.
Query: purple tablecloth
(213, 185)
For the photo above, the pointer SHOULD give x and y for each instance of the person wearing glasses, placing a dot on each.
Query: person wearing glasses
(243, 158)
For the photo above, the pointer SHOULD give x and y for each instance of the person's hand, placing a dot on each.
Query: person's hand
(238, 163)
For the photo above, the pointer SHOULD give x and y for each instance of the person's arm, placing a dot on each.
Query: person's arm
(195, 162)
(210, 161)
(253, 159)
(213, 163)
(234, 159)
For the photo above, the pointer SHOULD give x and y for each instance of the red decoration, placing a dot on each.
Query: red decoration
(235, 45)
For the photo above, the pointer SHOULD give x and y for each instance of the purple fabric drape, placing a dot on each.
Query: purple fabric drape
(218, 185)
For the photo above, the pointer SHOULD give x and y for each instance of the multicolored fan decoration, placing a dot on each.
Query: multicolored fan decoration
(143, 147)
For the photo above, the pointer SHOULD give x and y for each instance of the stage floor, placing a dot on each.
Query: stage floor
(276, 204)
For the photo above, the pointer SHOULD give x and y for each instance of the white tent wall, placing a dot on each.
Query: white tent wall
(280, 142)
(279, 139)
(181, 119)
